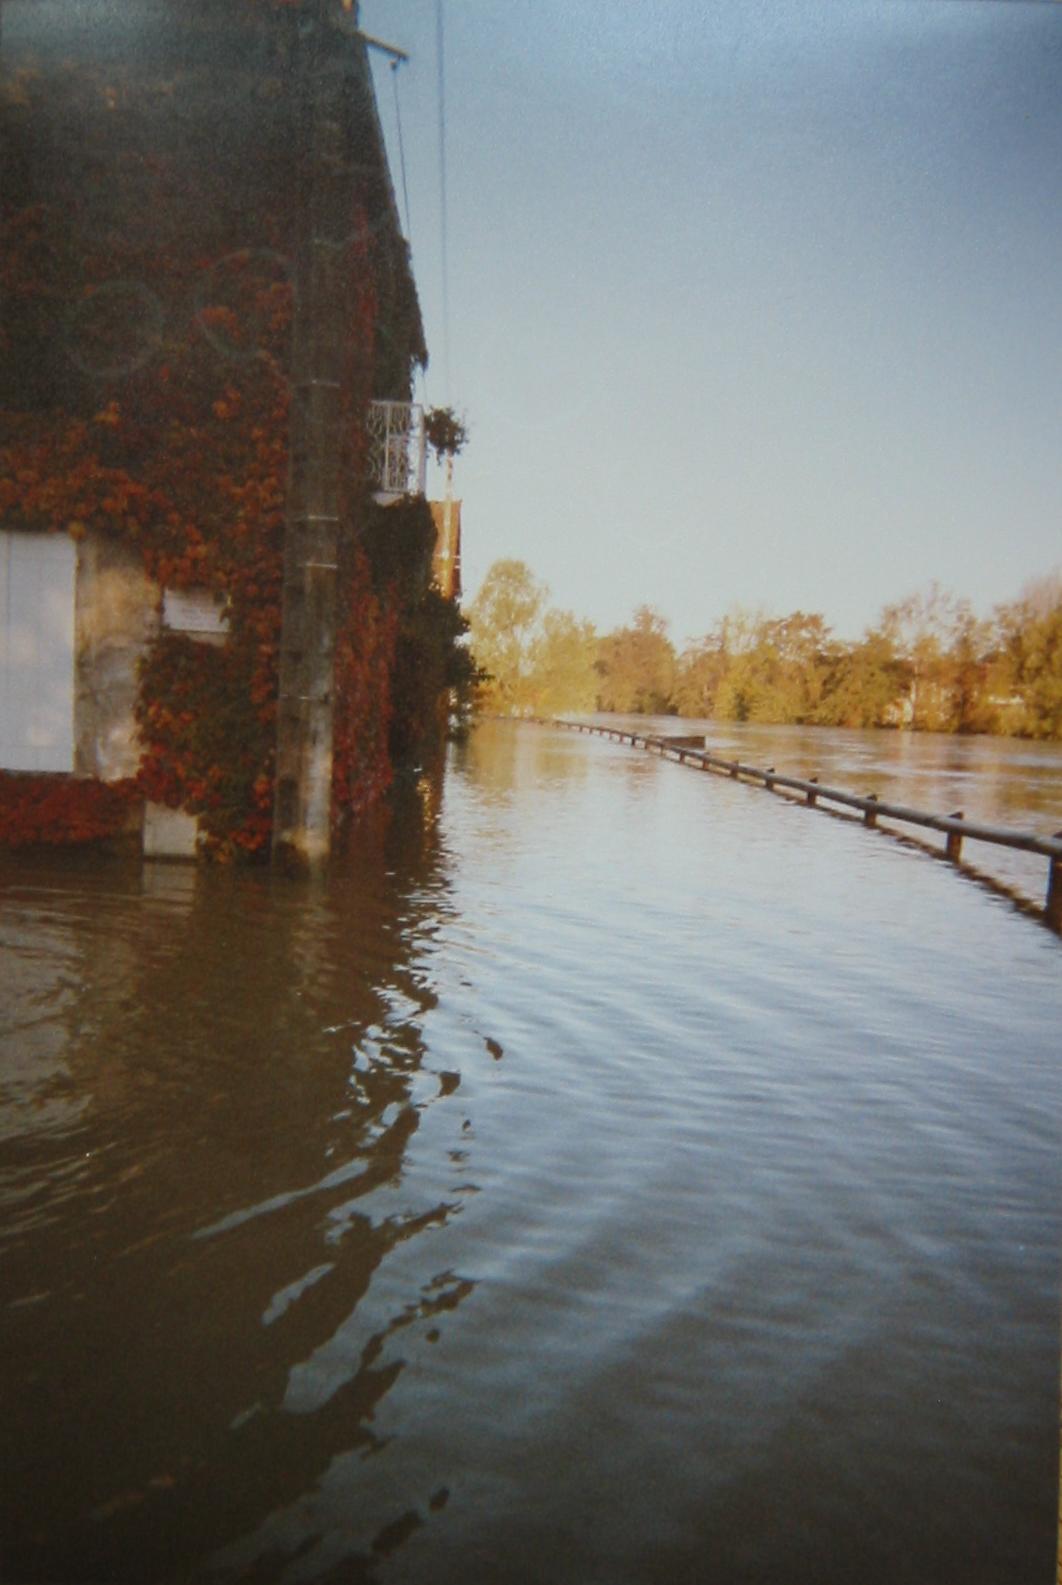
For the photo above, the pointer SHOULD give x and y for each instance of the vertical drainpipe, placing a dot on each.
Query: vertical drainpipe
(327, 176)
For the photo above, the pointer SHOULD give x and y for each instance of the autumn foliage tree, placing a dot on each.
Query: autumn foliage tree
(504, 621)
(928, 663)
(564, 664)
(534, 659)
(1025, 669)
(636, 666)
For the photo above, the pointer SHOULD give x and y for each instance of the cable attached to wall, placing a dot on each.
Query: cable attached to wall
(401, 152)
(443, 214)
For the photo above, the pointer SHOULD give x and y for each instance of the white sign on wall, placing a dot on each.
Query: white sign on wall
(193, 611)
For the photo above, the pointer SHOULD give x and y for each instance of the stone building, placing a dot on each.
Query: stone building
(207, 302)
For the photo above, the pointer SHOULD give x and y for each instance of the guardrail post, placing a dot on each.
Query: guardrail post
(953, 847)
(811, 796)
(870, 816)
(1053, 905)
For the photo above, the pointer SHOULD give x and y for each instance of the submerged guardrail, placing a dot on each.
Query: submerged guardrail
(692, 750)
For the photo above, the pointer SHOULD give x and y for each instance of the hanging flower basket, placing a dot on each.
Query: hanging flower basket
(445, 432)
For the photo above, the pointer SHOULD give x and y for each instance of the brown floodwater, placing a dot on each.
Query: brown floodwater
(610, 1173)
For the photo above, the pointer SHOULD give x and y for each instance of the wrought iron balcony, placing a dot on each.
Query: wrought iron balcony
(398, 451)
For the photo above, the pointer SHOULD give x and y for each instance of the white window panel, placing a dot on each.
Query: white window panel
(37, 574)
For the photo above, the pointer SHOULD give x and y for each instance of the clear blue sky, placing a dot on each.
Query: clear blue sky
(757, 301)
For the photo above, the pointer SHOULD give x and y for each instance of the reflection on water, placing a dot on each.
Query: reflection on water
(608, 1173)
(212, 1084)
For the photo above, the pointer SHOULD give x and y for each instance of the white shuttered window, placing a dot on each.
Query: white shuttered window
(37, 574)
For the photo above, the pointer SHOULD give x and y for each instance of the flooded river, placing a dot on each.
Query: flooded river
(612, 1173)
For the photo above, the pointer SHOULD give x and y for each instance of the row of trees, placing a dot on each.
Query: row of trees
(928, 663)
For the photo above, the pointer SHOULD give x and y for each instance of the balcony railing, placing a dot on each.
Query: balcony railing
(398, 451)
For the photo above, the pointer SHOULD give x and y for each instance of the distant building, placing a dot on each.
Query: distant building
(446, 562)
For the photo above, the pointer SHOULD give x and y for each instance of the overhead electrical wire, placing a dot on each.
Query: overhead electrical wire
(396, 62)
(401, 151)
(444, 244)
(443, 215)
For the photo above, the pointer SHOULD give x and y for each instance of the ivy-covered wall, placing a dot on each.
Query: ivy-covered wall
(149, 205)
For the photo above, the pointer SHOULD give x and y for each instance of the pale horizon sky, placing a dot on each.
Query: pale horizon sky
(749, 303)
